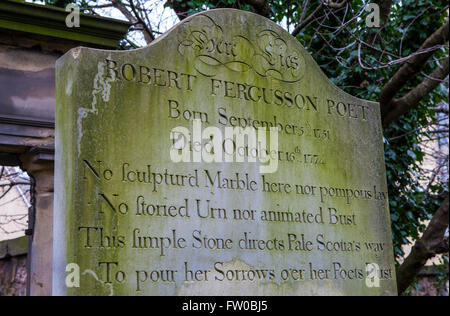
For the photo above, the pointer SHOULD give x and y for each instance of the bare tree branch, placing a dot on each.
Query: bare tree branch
(180, 8)
(442, 110)
(260, 7)
(305, 8)
(385, 12)
(432, 243)
(414, 130)
(336, 5)
(398, 107)
(310, 18)
(148, 34)
(411, 67)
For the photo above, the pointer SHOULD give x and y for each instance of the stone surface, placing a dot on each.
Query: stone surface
(13, 276)
(41, 255)
(13, 267)
(316, 224)
(14, 247)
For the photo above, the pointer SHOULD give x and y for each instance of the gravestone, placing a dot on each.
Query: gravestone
(219, 160)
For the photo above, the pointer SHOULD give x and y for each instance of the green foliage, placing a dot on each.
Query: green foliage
(59, 3)
(195, 6)
(64, 3)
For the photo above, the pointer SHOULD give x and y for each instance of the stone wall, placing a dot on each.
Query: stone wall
(13, 267)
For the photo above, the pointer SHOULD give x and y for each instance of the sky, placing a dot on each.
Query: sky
(162, 18)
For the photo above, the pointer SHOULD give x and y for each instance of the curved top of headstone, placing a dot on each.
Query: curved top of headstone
(320, 205)
(240, 42)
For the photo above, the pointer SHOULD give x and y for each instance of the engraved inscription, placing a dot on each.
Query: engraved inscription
(130, 219)
(212, 50)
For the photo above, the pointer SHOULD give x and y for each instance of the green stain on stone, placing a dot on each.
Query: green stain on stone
(114, 123)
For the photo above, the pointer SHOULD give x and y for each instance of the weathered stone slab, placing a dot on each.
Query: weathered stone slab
(130, 220)
(14, 247)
